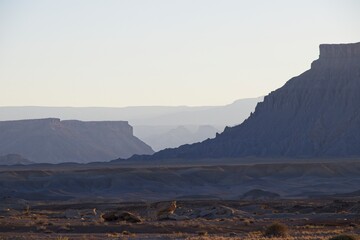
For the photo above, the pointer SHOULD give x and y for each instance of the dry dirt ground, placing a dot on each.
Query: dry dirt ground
(187, 219)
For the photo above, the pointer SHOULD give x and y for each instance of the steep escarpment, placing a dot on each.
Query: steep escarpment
(54, 141)
(316, 114)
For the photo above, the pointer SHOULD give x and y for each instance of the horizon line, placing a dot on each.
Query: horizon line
(133, 106)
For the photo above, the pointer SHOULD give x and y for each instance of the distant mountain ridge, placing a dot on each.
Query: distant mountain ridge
(14, 159)
(316, 114)
(158, 126)
(226, 115)
(175, 136)
(54, 141)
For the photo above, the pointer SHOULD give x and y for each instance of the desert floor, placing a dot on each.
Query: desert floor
(185, 219)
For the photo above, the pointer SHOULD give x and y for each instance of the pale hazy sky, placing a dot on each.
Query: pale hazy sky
(161, 52)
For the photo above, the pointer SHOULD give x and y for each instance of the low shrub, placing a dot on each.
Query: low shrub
(276, 230)
(202, 233)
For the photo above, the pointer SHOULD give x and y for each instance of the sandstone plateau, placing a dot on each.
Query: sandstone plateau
(54, 141)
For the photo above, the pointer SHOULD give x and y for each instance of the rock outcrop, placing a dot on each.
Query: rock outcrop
(316, 114)
(54, 141)
(121, 216)
(258, 194)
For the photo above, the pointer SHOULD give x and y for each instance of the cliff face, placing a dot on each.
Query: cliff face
(316, 114)
(339, 51)
(55, 141)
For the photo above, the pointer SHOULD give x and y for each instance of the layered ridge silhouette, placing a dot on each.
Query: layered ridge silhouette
(54, 141)
(316, 114)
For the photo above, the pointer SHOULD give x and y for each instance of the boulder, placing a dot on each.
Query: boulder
(121, 216)
(214, 212)
(90, 214)
(72, 214)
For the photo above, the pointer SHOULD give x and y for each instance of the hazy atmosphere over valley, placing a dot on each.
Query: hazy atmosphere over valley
(180, 119)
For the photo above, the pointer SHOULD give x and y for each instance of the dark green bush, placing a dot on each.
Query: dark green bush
(276, 230)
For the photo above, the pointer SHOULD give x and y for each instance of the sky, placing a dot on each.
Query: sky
(161, 52)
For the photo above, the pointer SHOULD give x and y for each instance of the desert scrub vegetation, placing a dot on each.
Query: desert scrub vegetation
(276, 230)
(344, 237)
(62, 238)
(202, 233)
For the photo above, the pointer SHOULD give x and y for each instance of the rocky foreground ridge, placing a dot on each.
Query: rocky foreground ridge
(54, 141)
(316, 114)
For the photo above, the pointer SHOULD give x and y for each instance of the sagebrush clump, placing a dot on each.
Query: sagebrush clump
(276, 230)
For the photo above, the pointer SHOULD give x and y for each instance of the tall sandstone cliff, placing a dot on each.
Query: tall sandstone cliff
(316, 114)
(54, 141)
